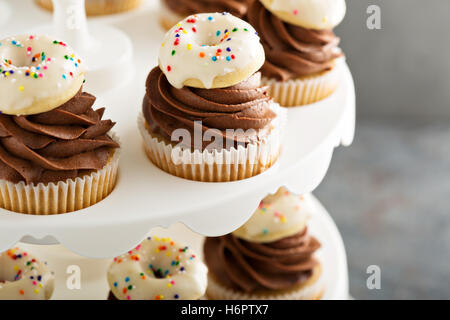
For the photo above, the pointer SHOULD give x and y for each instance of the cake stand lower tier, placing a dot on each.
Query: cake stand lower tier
(93, 271)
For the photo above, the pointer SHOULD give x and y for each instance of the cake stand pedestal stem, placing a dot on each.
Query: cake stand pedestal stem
(70, 24)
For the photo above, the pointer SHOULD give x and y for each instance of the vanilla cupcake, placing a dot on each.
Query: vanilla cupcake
(270, 257)
(302, 54)
(157, 269)
(172, 11)
(205, 115)
(99, 7)
(24, 277)
(56, 152)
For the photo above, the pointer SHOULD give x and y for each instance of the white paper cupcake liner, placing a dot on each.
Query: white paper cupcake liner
(312, 291)
(63, 196)
(306, 90)
(218, 165)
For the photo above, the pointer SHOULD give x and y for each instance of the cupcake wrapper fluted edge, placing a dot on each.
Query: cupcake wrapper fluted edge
(63, 196)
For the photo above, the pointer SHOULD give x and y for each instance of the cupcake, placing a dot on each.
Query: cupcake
(172, 11)
(302, 53)
(56, 152)
(157, 269)
(99, 7)
(205, 115)
(269, 257)
(24, 277)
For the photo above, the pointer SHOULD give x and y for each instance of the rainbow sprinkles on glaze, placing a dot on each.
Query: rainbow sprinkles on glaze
(157, 269)
(204, 46)
(34, 68)
(278, 216)
(23, 277)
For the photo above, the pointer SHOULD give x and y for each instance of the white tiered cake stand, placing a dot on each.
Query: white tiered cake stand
(93, 271)
(146, 197)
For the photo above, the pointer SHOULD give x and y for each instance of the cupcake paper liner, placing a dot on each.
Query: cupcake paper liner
(312, 290)
(99, 7)
(215, 166)
(63, 196)
(306, 90)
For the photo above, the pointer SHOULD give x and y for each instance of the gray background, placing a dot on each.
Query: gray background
(403, 69)
(389, 193)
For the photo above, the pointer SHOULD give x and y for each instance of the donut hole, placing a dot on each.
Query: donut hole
(21, 57)
(158, 273)
(161, 267)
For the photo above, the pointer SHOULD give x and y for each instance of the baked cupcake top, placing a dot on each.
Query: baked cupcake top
(184, 8)
(267, 253)
(292, 51)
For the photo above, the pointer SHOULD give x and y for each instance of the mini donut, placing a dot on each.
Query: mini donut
(23, 277)
(312, 14)
(278, 216)
(158, 269)
(37, 74)
(210, 50)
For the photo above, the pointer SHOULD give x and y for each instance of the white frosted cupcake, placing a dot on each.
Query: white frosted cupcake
(270, 257)
(303, 59)
(205, 115)
(56, 152)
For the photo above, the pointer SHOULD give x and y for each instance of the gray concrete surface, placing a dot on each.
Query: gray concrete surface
(389, 194)
(404, 67)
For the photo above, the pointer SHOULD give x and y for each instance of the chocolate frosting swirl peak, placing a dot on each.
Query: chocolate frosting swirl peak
(292, 51)
(237, 8)
(250, 267)
(242, 106)
(56, 145)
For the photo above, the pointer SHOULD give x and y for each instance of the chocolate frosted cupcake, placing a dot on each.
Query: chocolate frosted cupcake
(270, 257)
(56, 152)
(172, 11)
(302, 53)
(201, 124)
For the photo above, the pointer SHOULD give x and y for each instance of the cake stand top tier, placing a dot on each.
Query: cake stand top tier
(146, 197)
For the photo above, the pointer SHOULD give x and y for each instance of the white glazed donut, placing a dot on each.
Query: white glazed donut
(37, 74)
(312, 14)
(23, 277)
(158, 269)
(278, 216)
(210, 50)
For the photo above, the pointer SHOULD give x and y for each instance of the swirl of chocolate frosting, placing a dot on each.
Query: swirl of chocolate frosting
(292, 51)
(243, 106)
(56, 145)
(248, 266)
(184, 8)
